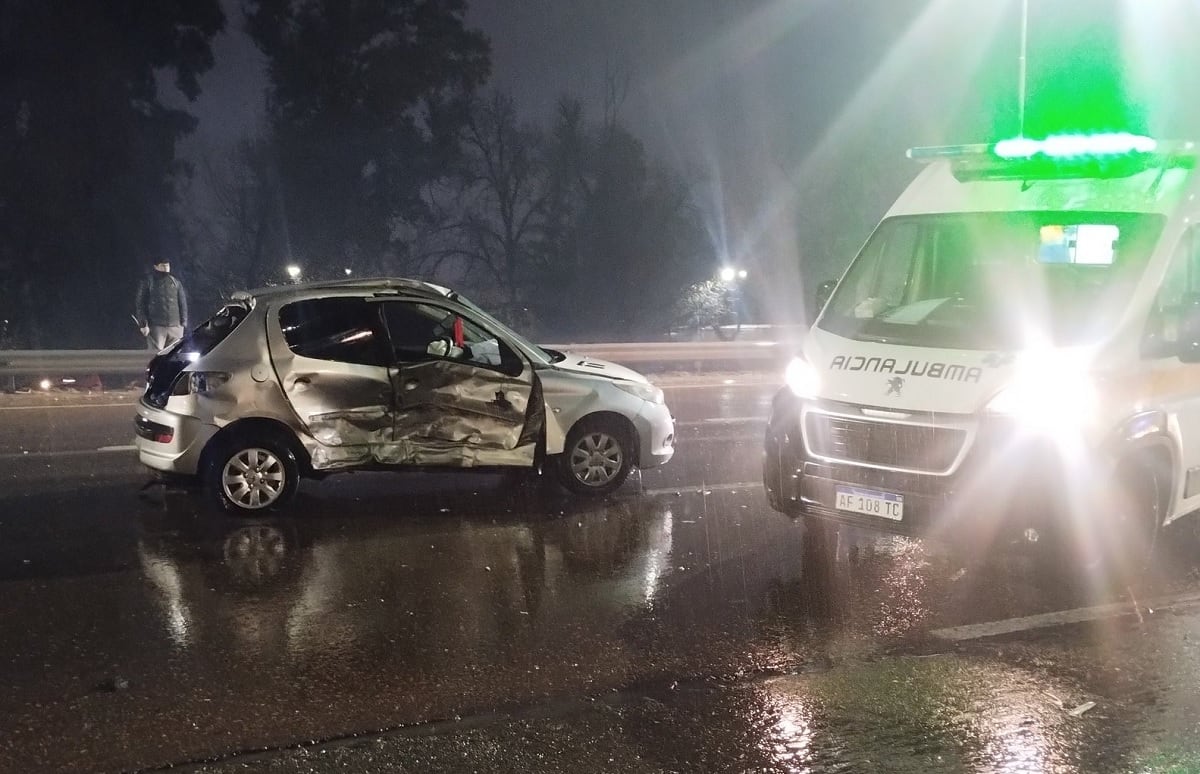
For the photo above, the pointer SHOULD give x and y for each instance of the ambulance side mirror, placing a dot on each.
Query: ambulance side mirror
(824, 291)
(1189, 331)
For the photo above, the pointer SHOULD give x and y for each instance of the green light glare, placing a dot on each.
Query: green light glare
(1078, 81)
(1075, 145)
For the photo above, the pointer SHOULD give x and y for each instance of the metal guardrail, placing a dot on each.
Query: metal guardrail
(60, 362)
(46, 362)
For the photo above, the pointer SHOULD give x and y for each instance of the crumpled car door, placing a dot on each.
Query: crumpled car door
(461, 414)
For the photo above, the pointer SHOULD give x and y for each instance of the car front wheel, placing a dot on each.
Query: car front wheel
(597, 458)
(254, 475)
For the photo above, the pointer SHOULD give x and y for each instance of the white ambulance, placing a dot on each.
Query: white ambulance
(1015, 351)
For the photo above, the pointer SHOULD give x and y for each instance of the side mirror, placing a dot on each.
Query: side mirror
(1189, 331)
(824, 291)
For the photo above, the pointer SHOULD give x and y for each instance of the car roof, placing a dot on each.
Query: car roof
(349, 286)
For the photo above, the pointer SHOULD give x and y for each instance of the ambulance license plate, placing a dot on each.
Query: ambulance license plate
(870, 502)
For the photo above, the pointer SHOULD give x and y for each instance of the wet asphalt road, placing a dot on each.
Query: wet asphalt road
(458, 623)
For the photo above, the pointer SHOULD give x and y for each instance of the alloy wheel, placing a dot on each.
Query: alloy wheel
(596, 459)
(253, 478)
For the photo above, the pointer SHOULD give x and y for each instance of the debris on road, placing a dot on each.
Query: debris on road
(1082, 708)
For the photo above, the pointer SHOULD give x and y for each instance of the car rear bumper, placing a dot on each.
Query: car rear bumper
(171, 443)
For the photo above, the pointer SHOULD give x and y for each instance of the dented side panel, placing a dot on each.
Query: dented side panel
(347, 408)
(455, 413)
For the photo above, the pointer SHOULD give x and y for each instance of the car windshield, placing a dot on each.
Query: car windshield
(992, 280)
(533, 351)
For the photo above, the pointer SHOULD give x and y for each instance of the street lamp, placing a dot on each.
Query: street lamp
(293, 271)
(1021, 68)
(348, 271)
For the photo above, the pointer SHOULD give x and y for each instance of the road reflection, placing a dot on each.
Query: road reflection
(425, 587)
(360, 609)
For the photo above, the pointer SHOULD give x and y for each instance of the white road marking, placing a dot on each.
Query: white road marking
(131, 404)
(721, 421)
(713, 385)
(748, 485)
(41, 455)
(689, 440)
(1061, 618)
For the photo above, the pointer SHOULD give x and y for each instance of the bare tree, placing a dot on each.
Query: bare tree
(239, 234)
(491, 217)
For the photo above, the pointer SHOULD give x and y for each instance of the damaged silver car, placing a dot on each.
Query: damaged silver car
(305, 380)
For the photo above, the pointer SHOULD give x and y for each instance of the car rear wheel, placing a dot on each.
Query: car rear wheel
(597, 458)
(254, 475)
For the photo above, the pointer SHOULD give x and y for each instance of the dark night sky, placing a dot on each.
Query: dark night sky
(768, 101)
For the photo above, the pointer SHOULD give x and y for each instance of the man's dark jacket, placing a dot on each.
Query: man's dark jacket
(161, 300)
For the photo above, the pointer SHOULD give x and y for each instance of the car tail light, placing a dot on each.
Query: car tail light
(200, 382)
(153, 431)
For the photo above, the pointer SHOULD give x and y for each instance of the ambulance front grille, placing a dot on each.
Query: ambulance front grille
(923, 448)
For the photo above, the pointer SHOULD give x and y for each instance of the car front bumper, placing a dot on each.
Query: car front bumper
(168, 442)
(656, 435)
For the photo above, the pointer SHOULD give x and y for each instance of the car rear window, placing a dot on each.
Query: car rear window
(165, 368)
(345, 330)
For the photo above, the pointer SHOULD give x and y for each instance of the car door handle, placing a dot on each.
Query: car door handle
(412, 384)
(302, 380)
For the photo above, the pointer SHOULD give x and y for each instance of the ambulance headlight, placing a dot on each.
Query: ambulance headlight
(802, 379)
(1047, 398)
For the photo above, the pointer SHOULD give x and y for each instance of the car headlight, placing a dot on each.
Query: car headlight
(802, 379)
(642, 390)
(1047, 397)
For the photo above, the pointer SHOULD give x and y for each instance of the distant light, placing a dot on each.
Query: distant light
(192, 357)
(68, 380)
(348, 271)
(741, 274)
(1075, 145)
(728, 274)
(45, 384)
(293, 271)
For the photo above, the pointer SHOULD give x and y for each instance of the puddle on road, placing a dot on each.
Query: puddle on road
(362, 609)
(942, 714)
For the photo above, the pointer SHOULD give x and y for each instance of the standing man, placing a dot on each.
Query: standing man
(161, 307)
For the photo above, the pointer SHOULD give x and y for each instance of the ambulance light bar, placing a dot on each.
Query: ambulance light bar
(1113, 154)
(1056, 146)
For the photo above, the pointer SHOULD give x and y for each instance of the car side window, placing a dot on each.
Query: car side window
(421, 332)
(1180, 286)
(345, 330)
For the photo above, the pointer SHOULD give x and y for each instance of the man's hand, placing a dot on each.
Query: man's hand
(145, 329)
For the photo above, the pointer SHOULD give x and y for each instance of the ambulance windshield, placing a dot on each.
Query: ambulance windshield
(992, 280)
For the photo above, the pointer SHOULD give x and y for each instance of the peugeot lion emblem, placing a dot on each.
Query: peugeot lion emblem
(895, 385)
